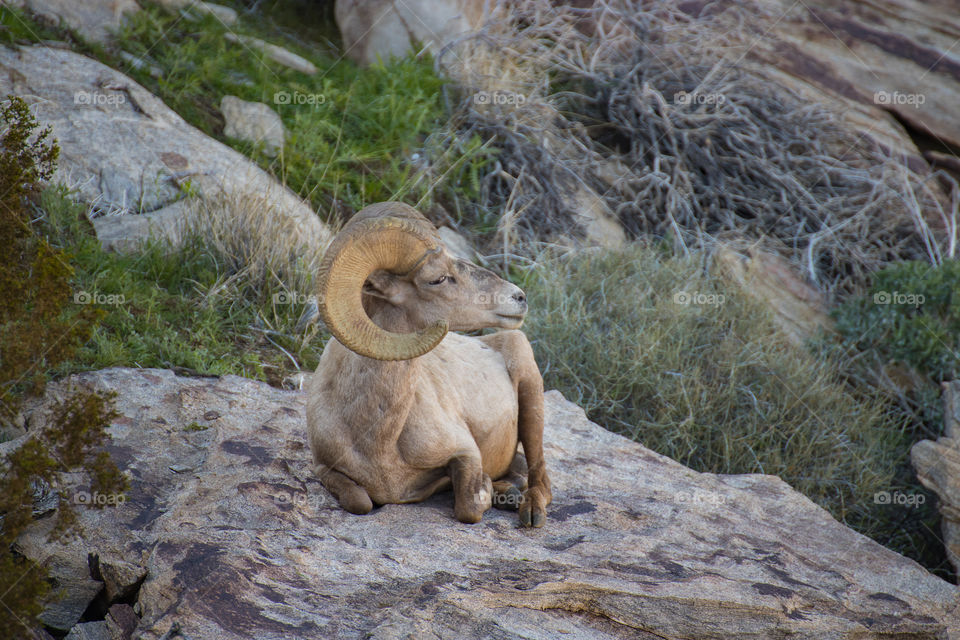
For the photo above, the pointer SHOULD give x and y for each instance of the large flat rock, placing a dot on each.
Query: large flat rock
(240, 541)
(127, 153)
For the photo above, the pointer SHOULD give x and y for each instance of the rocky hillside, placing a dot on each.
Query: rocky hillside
(781, 153)
(225, 533)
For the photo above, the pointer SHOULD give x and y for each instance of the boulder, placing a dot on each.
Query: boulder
(121, 622)
(375, 30)
(457, 245)
(252, 122)
(798, 307)
(92, 19)
(69, 571)
(938, 468)
(127, 153)
(239, 540)
(224, 14)
(874, 59)
(123, 232)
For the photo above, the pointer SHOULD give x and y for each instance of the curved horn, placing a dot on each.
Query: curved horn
(393, 244)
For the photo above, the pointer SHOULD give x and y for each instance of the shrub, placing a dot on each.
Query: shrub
(38, 331)
(910, 314)
(685, 363)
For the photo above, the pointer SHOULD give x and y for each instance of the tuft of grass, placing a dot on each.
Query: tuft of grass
(194, 309)
(655, 348)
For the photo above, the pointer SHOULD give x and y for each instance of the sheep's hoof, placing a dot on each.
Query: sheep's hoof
(470, 508)
(507, 498)
(533, 509)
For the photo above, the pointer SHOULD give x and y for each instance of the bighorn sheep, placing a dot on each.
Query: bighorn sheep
(399, 408)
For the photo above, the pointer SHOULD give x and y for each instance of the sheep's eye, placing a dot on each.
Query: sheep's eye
(440, 280)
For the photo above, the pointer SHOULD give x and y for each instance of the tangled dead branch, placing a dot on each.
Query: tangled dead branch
(639, 114)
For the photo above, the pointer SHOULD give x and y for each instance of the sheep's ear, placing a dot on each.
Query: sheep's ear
(381, 284)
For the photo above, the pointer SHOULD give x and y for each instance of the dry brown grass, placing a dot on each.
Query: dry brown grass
(257, 250)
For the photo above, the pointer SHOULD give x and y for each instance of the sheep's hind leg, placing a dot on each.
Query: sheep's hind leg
(508, 490)
(352, 497)
(472, 489)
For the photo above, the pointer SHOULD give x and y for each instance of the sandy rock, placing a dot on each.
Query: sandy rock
(380, 29)
(127, 152)
(243, 542)
(938, 469)
(275, 53)
(798, 308)
(224, 14)
(873, 58)
(600, 225)
(92, 19)
(90, 631)
(252, 122)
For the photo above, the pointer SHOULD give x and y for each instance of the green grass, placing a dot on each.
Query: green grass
(174, 309)
(717, 387)
(352, 134)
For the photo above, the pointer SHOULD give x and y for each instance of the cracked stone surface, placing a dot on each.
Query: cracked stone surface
(238, 540)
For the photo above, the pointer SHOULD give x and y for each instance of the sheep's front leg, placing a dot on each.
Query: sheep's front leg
(533, 509)
(523, 369)
(472, 489)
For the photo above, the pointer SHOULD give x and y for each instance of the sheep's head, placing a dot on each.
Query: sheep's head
(390, 252)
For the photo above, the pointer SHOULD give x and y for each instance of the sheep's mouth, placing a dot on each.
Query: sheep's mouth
(515, 320)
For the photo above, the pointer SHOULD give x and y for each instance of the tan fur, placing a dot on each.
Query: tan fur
(399, 431)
